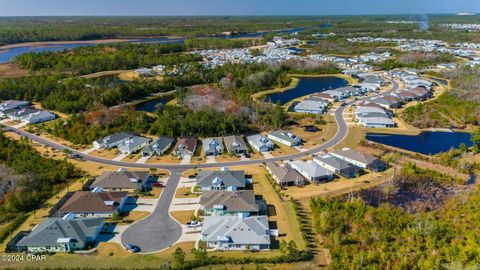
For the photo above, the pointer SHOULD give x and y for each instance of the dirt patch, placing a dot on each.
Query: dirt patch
(11, 70)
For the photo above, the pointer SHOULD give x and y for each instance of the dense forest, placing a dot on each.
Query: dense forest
(72, 94)
(27, 178)
(17, 30)
(416, 60)
(360, 236)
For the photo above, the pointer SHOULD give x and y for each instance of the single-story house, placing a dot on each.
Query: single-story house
(235, 145)
(220, 180)
(113, 140)
(284, 175)
(285, 137)
(376, 120)
(157, 147)
(236, 233)
(122, 180)
(212, 146)
(94, 203)
(309, 105)
(30, 116)
(62, 234)
(260, 143)
(133, 144)
(312, 171)
(185, 147)
(13, 104)
(336, 165)
(360, 159)
(229, 203)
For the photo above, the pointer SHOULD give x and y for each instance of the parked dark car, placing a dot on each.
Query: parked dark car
(133, 248)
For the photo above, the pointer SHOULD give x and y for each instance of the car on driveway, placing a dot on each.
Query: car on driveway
(194, 224)
(133, 248)
(158, 184)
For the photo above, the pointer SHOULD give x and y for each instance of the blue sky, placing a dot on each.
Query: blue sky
(232, 7)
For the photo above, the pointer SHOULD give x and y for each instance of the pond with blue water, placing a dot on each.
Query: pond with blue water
(427, 142)
(307, 86)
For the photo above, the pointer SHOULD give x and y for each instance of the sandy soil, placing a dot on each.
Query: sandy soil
(11, 70)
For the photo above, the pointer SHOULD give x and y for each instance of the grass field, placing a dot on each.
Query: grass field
(10, 70)
(183, 216)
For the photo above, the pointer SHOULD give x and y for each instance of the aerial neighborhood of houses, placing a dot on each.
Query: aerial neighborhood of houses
(230, 213)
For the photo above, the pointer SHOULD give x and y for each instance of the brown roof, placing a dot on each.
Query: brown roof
(123, 180)
(284, 173)
(392, 98)
(241, 200)
(189, 142)
(370, 104)
(96, 202)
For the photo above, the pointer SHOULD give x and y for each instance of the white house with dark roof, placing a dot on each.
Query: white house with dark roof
(285, 137)
(236, 233)
(260, 143)
(337, 165)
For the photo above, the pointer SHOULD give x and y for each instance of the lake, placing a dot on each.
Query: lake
(427, 142)
(150, 106)
(7, 55)
(307, 86)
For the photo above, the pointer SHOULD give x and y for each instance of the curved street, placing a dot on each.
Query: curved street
(159, 231)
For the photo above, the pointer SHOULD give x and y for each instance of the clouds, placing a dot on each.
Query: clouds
(232, 7)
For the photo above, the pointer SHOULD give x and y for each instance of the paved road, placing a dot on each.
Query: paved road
(158, 231)
(339, 136)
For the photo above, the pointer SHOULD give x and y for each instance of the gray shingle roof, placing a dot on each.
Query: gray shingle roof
(158, 146)
(251, 230)
(228, 178)
(285, 173)
(123, 180)
(93, 202)
(51, 229)
(242, 200)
